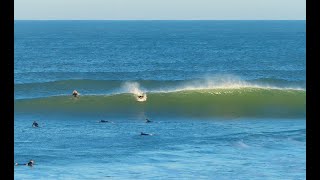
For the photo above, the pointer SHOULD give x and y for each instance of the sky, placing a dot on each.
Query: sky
(160, 9)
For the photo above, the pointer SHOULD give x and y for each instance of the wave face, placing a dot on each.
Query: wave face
(228, 102)
(111, 87)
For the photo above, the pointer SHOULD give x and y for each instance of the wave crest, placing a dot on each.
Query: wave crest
(219, 102)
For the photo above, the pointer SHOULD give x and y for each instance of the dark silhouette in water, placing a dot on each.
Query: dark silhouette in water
(144, 134)
(35, 124)
(148, 121)
(103, 121)
(30, 163)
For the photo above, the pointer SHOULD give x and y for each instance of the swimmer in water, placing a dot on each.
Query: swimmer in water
(148, 121)
(75, 93)
(140, 97)
(30, 163)
(35, 124)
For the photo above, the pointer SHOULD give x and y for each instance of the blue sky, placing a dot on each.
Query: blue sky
(160, 9)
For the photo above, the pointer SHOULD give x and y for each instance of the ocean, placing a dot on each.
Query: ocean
(226, 99)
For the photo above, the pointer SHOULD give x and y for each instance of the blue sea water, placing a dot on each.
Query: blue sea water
(226, 99)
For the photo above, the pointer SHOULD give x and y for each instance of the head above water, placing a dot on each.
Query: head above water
(30, 163)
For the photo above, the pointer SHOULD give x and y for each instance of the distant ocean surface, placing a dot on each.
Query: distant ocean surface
(227, 99)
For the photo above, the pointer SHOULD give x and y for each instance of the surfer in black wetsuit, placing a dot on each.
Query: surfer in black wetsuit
(35, 124)
(75, 93)
(30, 163)
(140, 97)
(103, 121)
(144, 134)
(148, 121)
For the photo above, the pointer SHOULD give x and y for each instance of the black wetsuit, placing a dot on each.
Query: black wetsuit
(35, 124)
(27, 164)
(144, 134)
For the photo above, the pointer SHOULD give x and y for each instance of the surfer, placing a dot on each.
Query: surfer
(75, 93)
(103, 121)
(144, 134)
(35, 124)
(148, 121)
(30, 163)
(141, 97)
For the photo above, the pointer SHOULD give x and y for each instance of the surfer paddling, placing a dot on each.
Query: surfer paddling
(30, 163)
(35, 124)
(144, 134)
(148, 121)
(75, 93)
(103, 121)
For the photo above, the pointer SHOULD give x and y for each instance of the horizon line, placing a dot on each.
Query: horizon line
(159, 19)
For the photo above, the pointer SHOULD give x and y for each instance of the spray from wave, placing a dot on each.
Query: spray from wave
(225, 82)
(134, 88)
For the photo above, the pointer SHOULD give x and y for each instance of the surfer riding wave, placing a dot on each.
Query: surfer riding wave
(141, 97)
